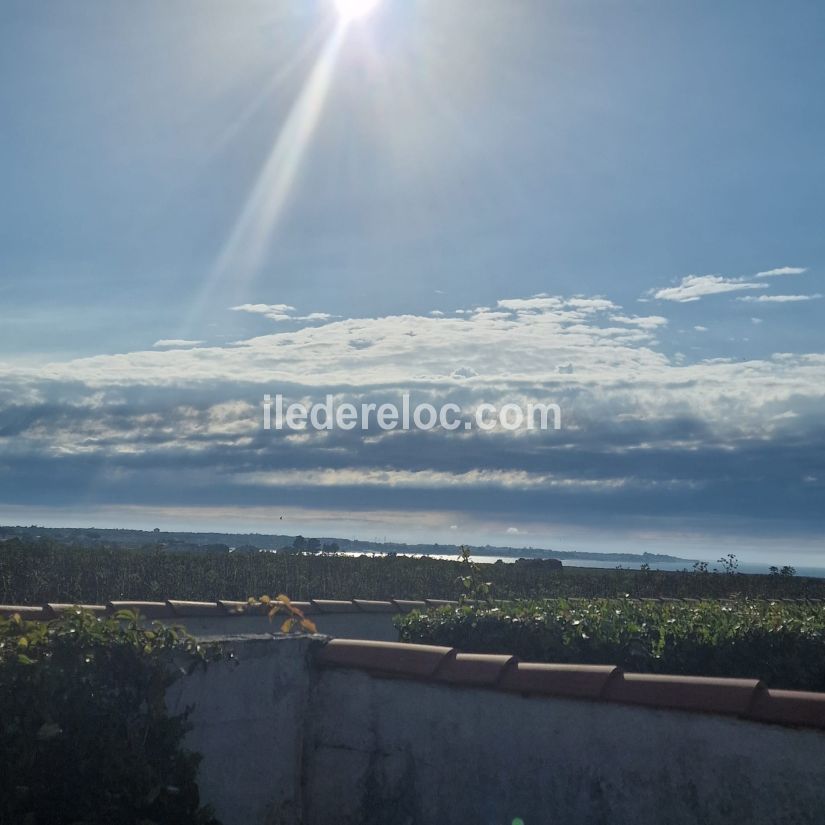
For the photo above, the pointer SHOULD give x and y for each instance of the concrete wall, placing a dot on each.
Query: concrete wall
(396, 752)
(249, 716)
(286, 742)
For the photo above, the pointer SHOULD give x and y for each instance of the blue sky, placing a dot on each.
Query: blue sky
(167, 163)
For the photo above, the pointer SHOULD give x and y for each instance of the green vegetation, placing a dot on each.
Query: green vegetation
(34, 572)
(86, 737)
(781, 643)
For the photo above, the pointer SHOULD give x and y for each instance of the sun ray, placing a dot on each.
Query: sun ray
(350, 10)
(242, 255)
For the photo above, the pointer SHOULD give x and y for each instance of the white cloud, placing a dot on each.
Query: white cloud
(538, 303)
(778, 299)
(696, 287)
(423, 479)
(565, 353)
(756, 320)
(175, 343)
(631, 412)
(700, 328)
(644, 322)
(782, 270)
(281, 312)
(275, 312)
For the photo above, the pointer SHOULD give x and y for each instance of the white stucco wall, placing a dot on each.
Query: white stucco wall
(285, 742)
(249, 718)
(392, 752)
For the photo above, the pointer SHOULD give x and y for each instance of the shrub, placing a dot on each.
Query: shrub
(782, 644)
(86, 738)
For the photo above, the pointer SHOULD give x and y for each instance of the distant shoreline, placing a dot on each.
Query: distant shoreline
(91, 536)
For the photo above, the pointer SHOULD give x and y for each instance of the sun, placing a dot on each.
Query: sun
(353, 9)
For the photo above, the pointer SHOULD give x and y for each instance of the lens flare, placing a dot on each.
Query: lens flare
(353, 9)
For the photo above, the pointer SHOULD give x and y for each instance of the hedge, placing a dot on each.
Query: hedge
(86, 738)
(781, 643)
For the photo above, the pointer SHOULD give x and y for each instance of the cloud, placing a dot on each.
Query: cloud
(778, 299)
(756, 321)
(538, 303)
(275, 312)
(700, 328)
(644, 322)
(175, 343)
(696, 287)
(782, 270)
(715, 441)
(281, 312)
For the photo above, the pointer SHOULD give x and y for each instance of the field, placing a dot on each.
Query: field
(34, 572)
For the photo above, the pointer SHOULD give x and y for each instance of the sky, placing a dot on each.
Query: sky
(612, 206)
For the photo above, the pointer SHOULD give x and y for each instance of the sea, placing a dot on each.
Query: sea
(744, 567)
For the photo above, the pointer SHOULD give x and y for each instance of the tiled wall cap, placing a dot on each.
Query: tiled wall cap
(147, 610)
(389, 658)
(234, 609)
(789, 707)
(441, 603)
(408, 605)
(306, 607)
(28, 612)
(335, 606)
(698, 693)
(231, 607)
(56, 608)
(195, 609)
(479, 669)
(581, 681)
(373, 606)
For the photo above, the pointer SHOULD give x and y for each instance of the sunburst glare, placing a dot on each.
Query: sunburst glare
(353, 9)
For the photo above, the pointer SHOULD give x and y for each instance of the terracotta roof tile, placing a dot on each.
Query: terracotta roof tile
(56, 608)
(788, 707)
(582, 681)
(478, 669)
(28, 612)
(372, 606)
(148, 610)
(232, 608)
(711, 695)
(194, 609)
(388, 658)
(408, 605)
(335, 606)
(306, 607)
